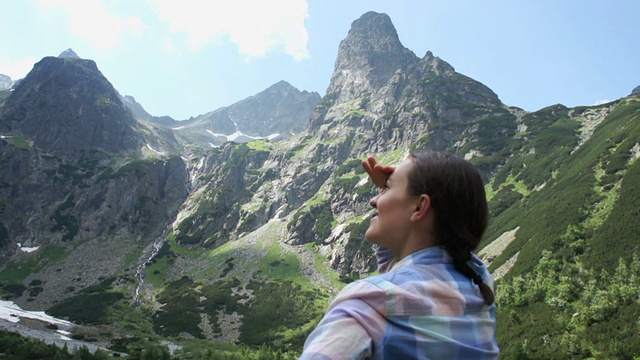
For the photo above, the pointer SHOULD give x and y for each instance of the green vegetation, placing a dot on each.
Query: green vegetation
(565, 310)
(89, 306)
(261, 145)
(19, 141)
(16, 347)
(14, 272)
(159, 267)
(66, 222)
(278, 313)
(317, 213)
(574, 290)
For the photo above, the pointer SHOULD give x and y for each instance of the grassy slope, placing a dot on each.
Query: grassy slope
(564, 292)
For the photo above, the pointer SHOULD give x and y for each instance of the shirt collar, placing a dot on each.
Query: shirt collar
(430, 255)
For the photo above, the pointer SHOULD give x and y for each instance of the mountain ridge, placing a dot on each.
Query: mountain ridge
(246, 230)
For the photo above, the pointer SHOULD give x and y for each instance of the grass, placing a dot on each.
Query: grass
(261, 145)
(19, 141)
(16, 271)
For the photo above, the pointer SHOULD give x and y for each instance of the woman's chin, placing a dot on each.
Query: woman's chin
(369, 235)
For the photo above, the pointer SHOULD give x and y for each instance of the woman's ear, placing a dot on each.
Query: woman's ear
(423, 208)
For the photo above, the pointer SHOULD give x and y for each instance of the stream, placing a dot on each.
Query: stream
(147, 255)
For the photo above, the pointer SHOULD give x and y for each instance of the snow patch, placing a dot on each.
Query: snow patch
(239, 134)
(11, 312)
(155, 151)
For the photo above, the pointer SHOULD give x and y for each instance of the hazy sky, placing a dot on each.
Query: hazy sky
(185, 58)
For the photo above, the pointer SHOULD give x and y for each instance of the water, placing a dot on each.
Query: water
(147, 255)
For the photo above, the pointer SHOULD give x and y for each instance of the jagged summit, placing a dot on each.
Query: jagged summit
(68, 54)
(372, 52)
(636, 91)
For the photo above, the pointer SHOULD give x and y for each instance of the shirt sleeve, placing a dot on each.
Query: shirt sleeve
(350, 328)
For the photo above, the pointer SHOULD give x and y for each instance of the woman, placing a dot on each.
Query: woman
(433, 298)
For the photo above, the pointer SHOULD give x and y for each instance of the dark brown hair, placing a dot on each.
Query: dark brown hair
(457, 196)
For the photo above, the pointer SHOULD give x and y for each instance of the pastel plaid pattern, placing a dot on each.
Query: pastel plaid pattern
(422, 308)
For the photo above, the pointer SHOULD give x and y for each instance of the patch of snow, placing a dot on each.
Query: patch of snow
(11, 312)
(235, 135)
(239, 134)
(179, 127)
(29, 249)
(216, 134)
(155, 151)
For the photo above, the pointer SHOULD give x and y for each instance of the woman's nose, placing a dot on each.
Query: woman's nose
(374, 201)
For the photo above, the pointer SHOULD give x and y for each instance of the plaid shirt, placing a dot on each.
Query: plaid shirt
(422, 308)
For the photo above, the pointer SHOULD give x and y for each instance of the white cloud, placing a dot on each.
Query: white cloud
(255, 26)
(91, 20)
(16, 68)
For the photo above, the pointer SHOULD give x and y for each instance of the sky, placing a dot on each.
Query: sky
(189, 57)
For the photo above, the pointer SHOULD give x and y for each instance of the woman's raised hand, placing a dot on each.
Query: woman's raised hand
(377, 173)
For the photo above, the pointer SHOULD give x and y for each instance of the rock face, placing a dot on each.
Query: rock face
(636, 91)
(78, 169)
(407, 100)
(382, 98)
(368, 57)
(65, 105)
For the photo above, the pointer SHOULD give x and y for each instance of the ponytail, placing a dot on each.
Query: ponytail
(459, 251)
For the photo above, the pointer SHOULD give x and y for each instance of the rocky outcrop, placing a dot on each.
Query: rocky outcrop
(368, 57)
(96, 207)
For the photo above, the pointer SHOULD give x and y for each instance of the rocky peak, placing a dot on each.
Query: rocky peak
(66, 104)
(280, 110)
(368, 57)
(68, 54)
(636, 91)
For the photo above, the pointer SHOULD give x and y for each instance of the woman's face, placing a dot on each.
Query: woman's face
(394, 206)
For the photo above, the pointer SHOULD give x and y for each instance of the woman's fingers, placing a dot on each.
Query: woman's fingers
(378, 173)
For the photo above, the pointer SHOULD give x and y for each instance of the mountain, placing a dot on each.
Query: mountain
(68, 54)
(92, 114)
(85, 182)
(241, 246)
(278, 112)
(141, 114)
(5, 82)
